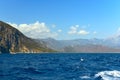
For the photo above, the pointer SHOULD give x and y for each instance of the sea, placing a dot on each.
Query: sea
(60, 66)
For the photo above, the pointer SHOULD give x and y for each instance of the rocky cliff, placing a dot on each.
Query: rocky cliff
(12, 41)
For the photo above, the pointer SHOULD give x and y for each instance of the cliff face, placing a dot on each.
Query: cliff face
(12, 40)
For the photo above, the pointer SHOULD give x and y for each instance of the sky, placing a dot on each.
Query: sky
(63, 19)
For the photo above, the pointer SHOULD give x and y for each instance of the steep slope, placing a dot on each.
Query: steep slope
(12, 40)
(52, 43)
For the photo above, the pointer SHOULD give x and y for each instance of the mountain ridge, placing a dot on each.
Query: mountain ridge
(82, 45)
(12, 41)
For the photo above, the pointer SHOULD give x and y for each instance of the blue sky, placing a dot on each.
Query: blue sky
(63, 19)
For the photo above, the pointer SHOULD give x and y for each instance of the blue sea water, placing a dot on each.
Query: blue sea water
(73, 66)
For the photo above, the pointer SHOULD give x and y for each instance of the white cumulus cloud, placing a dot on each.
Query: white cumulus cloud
(83, 32)
(35, 30)
(75, 30)
(59, 30)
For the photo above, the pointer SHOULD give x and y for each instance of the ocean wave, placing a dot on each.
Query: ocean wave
(84, 77)
(21, 70)
(24, 78)
(108, 75)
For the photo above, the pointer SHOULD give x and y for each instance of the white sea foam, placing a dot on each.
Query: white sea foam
(84, 77)
(109, 75)
(81, 59)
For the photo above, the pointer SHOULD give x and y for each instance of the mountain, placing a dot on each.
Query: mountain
(113, 41)
(90, 48)
(83, 45)
(12, 41)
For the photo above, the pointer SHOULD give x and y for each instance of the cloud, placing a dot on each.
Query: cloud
(94, 32)
(118, 31)
(53, 25)
(83, 32)
(59, 30)
(35, 30)
(75, 30)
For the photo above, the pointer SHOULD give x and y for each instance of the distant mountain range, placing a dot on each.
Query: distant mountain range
(84, 45)
(13, 41)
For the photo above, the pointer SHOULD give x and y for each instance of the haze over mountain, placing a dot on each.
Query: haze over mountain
(12, 41)
(83, 45)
